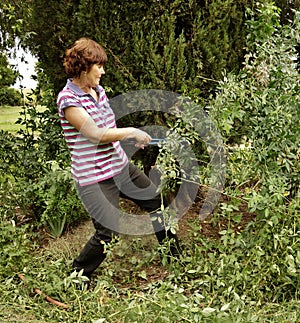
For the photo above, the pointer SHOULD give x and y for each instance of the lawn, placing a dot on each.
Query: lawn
(8, 117)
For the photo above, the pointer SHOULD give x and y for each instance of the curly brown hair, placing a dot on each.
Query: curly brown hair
(82, 55)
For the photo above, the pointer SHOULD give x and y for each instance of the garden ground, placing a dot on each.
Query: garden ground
(133, 266)
(126, 254)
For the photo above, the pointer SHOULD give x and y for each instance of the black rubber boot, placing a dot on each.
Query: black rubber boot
(174, 247)
(90, 258)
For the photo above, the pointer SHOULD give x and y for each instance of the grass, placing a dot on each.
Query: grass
(130, 286)
(10, 114)
(8, 117)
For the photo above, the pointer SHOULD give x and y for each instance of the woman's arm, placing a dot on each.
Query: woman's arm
(82, 121)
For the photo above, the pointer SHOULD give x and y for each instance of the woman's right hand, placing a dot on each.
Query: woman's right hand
(142, 138)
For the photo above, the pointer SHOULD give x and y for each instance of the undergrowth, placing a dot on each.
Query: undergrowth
(210, 283)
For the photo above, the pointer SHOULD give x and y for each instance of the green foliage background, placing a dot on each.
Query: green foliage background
(239, 62)
(8, 96)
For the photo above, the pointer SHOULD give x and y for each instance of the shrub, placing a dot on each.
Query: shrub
(42, 188)
(58, 196)
(257, 112)
(10, 96)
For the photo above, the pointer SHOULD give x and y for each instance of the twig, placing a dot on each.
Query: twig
(48, 298)
(207, 79)
(80, 308)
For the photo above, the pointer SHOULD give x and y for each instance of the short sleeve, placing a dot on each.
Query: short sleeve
(67, 99)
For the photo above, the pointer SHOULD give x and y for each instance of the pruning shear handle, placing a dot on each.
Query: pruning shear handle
(156, 141)
(153, 142)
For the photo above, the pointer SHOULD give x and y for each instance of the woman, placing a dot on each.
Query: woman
(99, 165)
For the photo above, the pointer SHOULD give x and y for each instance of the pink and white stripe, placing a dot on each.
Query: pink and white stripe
(90, 162)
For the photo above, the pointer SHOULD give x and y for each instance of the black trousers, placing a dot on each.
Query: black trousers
(101, 200)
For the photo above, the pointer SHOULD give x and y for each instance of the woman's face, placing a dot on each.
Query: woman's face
(93, 77)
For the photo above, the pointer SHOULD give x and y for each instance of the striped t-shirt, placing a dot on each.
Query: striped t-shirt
(90, 162)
